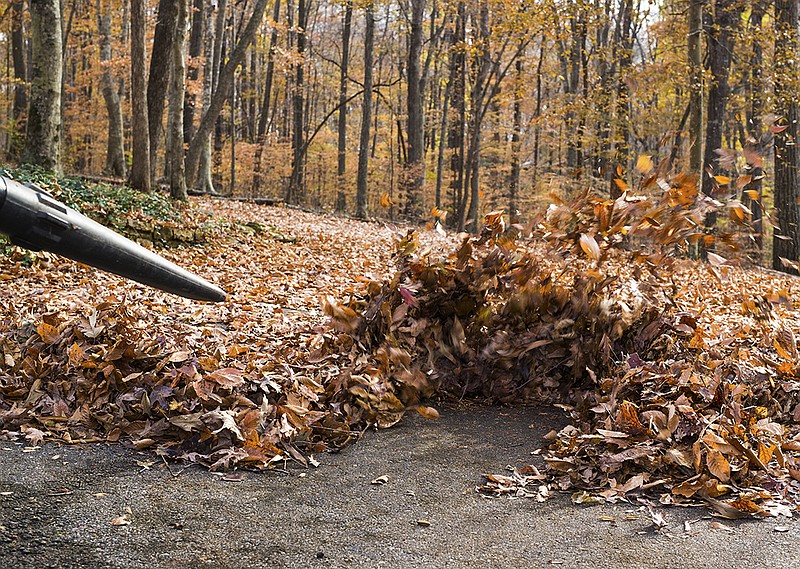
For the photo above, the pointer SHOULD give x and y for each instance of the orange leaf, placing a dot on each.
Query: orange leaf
(644, 164)
(47, 332)
(428, 412)
(718, 465)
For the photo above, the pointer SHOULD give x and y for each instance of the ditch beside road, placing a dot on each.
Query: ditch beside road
(404, 497)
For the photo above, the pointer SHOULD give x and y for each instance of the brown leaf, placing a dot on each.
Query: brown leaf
(428, 412)
(718, 465)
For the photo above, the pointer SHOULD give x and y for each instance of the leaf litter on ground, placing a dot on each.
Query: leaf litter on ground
(680, 377)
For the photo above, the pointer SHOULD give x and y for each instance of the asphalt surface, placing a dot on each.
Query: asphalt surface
(57, 504)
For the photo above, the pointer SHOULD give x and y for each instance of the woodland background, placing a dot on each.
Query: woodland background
(412, 107)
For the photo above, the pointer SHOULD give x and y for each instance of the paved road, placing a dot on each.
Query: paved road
(56, 505)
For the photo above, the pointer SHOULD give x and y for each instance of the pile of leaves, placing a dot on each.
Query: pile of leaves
(88, 356)
(680, 377)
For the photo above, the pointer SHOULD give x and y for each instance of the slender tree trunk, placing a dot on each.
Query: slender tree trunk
(786, 241)
(626, 38)
(415, 171)
(443, 136)
(177, 180)
(203, 182)
(158, 78)
(42, 144)
(115, 150)
(756, 140)
(263, 119)
(20, 109)
(537, 113)
(341, 162)
(695, 49)
(140, 162)
(513, 182)
(456, 137)
(296, 190)
(720, 49)
(366, 115)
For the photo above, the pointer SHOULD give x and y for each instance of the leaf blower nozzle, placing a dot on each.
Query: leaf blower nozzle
(33, 219)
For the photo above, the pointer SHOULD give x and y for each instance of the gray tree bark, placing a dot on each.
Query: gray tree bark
(341, 146)
(115, 149)
(296, 190)
(177, 181)
(263, 119)
(415, 167)
(43, 139)
(366, 116)
(695, 48)
(158, 78)
(20, 109)
(786, 239)
(140, 134)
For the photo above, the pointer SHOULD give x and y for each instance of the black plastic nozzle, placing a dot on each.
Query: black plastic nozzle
(33, 219)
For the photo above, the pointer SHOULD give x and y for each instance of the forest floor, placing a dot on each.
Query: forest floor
(403, 497)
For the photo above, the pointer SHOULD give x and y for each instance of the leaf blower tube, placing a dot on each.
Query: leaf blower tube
(33, 219)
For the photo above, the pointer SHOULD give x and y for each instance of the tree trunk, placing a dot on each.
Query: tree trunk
(222, 91)
(20, 109)
(513, 182)
(341, 146)
(177, 178)
(695, 49)
(140, 137)
(456, 137)
(625, 39)
(443, 136)
(537, 113)
(263, 119)
(720, 49)
(415, 167)
(115, 149)
(366, 115)
(158, 79)
(756, 136)
(296, 190)
(786, 239)
(42, 144)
